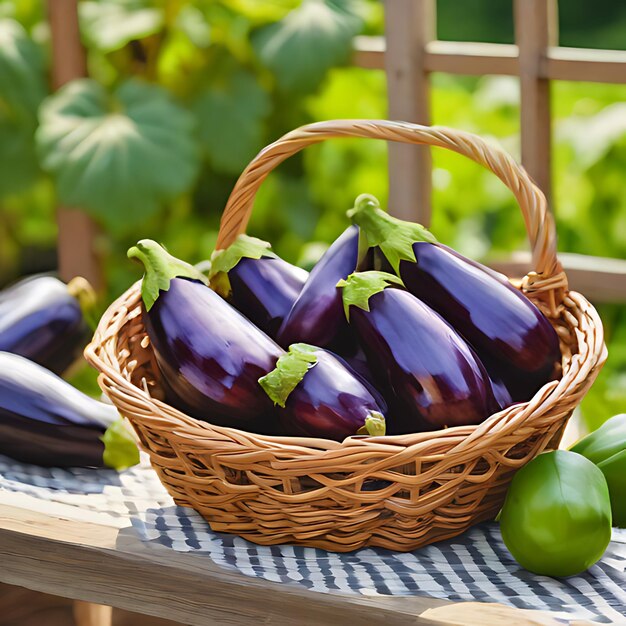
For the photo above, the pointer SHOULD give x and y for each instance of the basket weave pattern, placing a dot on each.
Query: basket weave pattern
(397, 492)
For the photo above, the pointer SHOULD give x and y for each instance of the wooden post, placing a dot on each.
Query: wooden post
(77, 232)
(536, 28)
(409, 26)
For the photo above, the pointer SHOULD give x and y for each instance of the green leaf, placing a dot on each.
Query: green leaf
(109, 25)
(222, 261)
(160, 268)
(359, 287)
(119, 156)
(290, 370)
(18, 159)
(120, 448)
(393, 236)
(302, 47)
(231, 118)
(22, 87)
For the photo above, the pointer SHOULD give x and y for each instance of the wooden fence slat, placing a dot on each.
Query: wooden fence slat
(578, 64)
(473, 59)
(410, 25)
(477, 59)
(535, 30)
(77, 232)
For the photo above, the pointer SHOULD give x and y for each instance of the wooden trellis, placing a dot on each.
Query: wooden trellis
(410, 52)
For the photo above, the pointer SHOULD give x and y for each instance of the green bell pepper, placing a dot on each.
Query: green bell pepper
(606, 447)
(556, 519)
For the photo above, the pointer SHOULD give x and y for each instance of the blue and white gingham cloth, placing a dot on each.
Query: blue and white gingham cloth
(475, 566)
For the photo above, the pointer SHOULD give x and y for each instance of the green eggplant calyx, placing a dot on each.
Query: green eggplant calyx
(375, 425)
(120, 447)
(359, 287)
(160, 268)
(81, 289)
(222, 261)
(290, 369)
(394, 237)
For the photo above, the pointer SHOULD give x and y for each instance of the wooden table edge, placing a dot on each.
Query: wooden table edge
(83, 561)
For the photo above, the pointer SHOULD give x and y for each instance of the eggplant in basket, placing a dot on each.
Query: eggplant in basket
(256, 282)
(210, 356)
(46, 421)
(432, 378)
(41, 319)
(318, 395)
(512, 337)
(316, 316)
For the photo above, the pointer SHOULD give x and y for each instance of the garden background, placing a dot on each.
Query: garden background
(183, 93)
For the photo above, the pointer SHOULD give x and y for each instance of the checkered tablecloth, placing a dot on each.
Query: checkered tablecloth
(475, 566)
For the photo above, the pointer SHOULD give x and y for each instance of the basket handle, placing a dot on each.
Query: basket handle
(548, 279)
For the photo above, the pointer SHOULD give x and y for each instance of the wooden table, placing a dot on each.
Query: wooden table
(107, 565)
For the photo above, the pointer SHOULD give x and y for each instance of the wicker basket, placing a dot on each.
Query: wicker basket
(397, 492)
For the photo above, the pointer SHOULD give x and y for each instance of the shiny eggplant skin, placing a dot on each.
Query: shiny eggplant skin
(46, 421)
(265, 289)
(331, 401)
(511, 336)
(317, 315)
(210, 355)
(431, 376)
(41, 321)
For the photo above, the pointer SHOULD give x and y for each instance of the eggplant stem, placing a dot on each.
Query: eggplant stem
(81, 289)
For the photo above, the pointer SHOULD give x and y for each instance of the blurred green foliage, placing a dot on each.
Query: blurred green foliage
(184, 93)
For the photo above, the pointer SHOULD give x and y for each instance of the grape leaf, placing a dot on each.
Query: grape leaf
(310, 40)
(119, 156)
(110, 24)
(230, 116)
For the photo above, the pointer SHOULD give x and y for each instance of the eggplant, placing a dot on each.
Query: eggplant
(46, 421)
(256, 282)
(317, 315)
(41, 319)
(432, 378)
(210, 356)
(318, 395)
(514, 340)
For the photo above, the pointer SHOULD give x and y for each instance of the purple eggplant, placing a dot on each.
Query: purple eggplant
(46, 421)
(514, 340)
(431, 376)
(318, 395)
(316, 316)
(210, 356)
(41, 319)
(256, 282)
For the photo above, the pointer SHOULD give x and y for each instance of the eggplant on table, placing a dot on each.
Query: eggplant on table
(210, 356)
(41, 318)
(432, 379)
(317, 394)
(46, 421)
(256, 282)
(512, 337)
